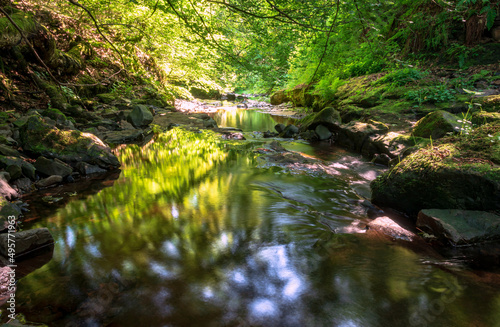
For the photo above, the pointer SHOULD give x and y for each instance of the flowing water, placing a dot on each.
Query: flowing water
(196, 231)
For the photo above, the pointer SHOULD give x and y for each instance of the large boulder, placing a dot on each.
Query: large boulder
(42, 139)
(140, 116)
(440, 177)
(437, 124)
(460, 226)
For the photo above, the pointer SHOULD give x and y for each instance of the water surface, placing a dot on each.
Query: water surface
(194, 233)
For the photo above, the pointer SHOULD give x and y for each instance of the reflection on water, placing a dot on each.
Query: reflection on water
(249, 119)
(192, 234)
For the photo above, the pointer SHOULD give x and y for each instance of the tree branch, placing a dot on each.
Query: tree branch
(326, 43)
(74, 2)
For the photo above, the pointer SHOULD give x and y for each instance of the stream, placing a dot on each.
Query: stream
(197, 231)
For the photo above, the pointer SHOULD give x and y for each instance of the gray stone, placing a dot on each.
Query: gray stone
(51, 180)
(26, 241)
(23, 184)
(279, 128)
(52, 167)
(140, 116)
(5, 175)
(290, 131)
(88, 169)
(14, 171)
(460, 226)
(27, 169)
(8, 151)
(323, 132)
(123, 137)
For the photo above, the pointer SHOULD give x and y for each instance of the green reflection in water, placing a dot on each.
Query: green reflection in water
(192, 234)
(249, 119)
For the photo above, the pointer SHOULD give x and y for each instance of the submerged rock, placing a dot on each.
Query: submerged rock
(51, 180)
(460, 226)
(290, 131)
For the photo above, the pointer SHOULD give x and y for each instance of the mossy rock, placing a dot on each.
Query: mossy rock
(107, 98)
(484, 117)
(55, 114)
(279, 97)
(440, 177)
(489, 103)
(328, 117)
(74, 146)
(437, 124)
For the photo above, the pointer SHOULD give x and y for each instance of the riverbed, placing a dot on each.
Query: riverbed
(199, 231)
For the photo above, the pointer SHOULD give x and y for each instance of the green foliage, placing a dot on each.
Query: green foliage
(436, 94)
(402, 77)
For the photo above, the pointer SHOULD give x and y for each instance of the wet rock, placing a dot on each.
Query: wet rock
(276, 146)
(51, 167)
(389, 227)
(309, 135)
(23, 184)
(437, 124)
(87, 169)
(69, 146)
(290, 131)
(27, 169)
(323, 132)
(280, 128)
(269, 134)
(51, 180)
(26, 241)
(140, 116)
(460, 226)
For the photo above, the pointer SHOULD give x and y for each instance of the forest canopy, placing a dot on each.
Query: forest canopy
(265, 45)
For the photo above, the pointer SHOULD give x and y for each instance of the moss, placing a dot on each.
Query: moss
(53, 113)
(436, 125)
(484, 117)
(107, 97)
